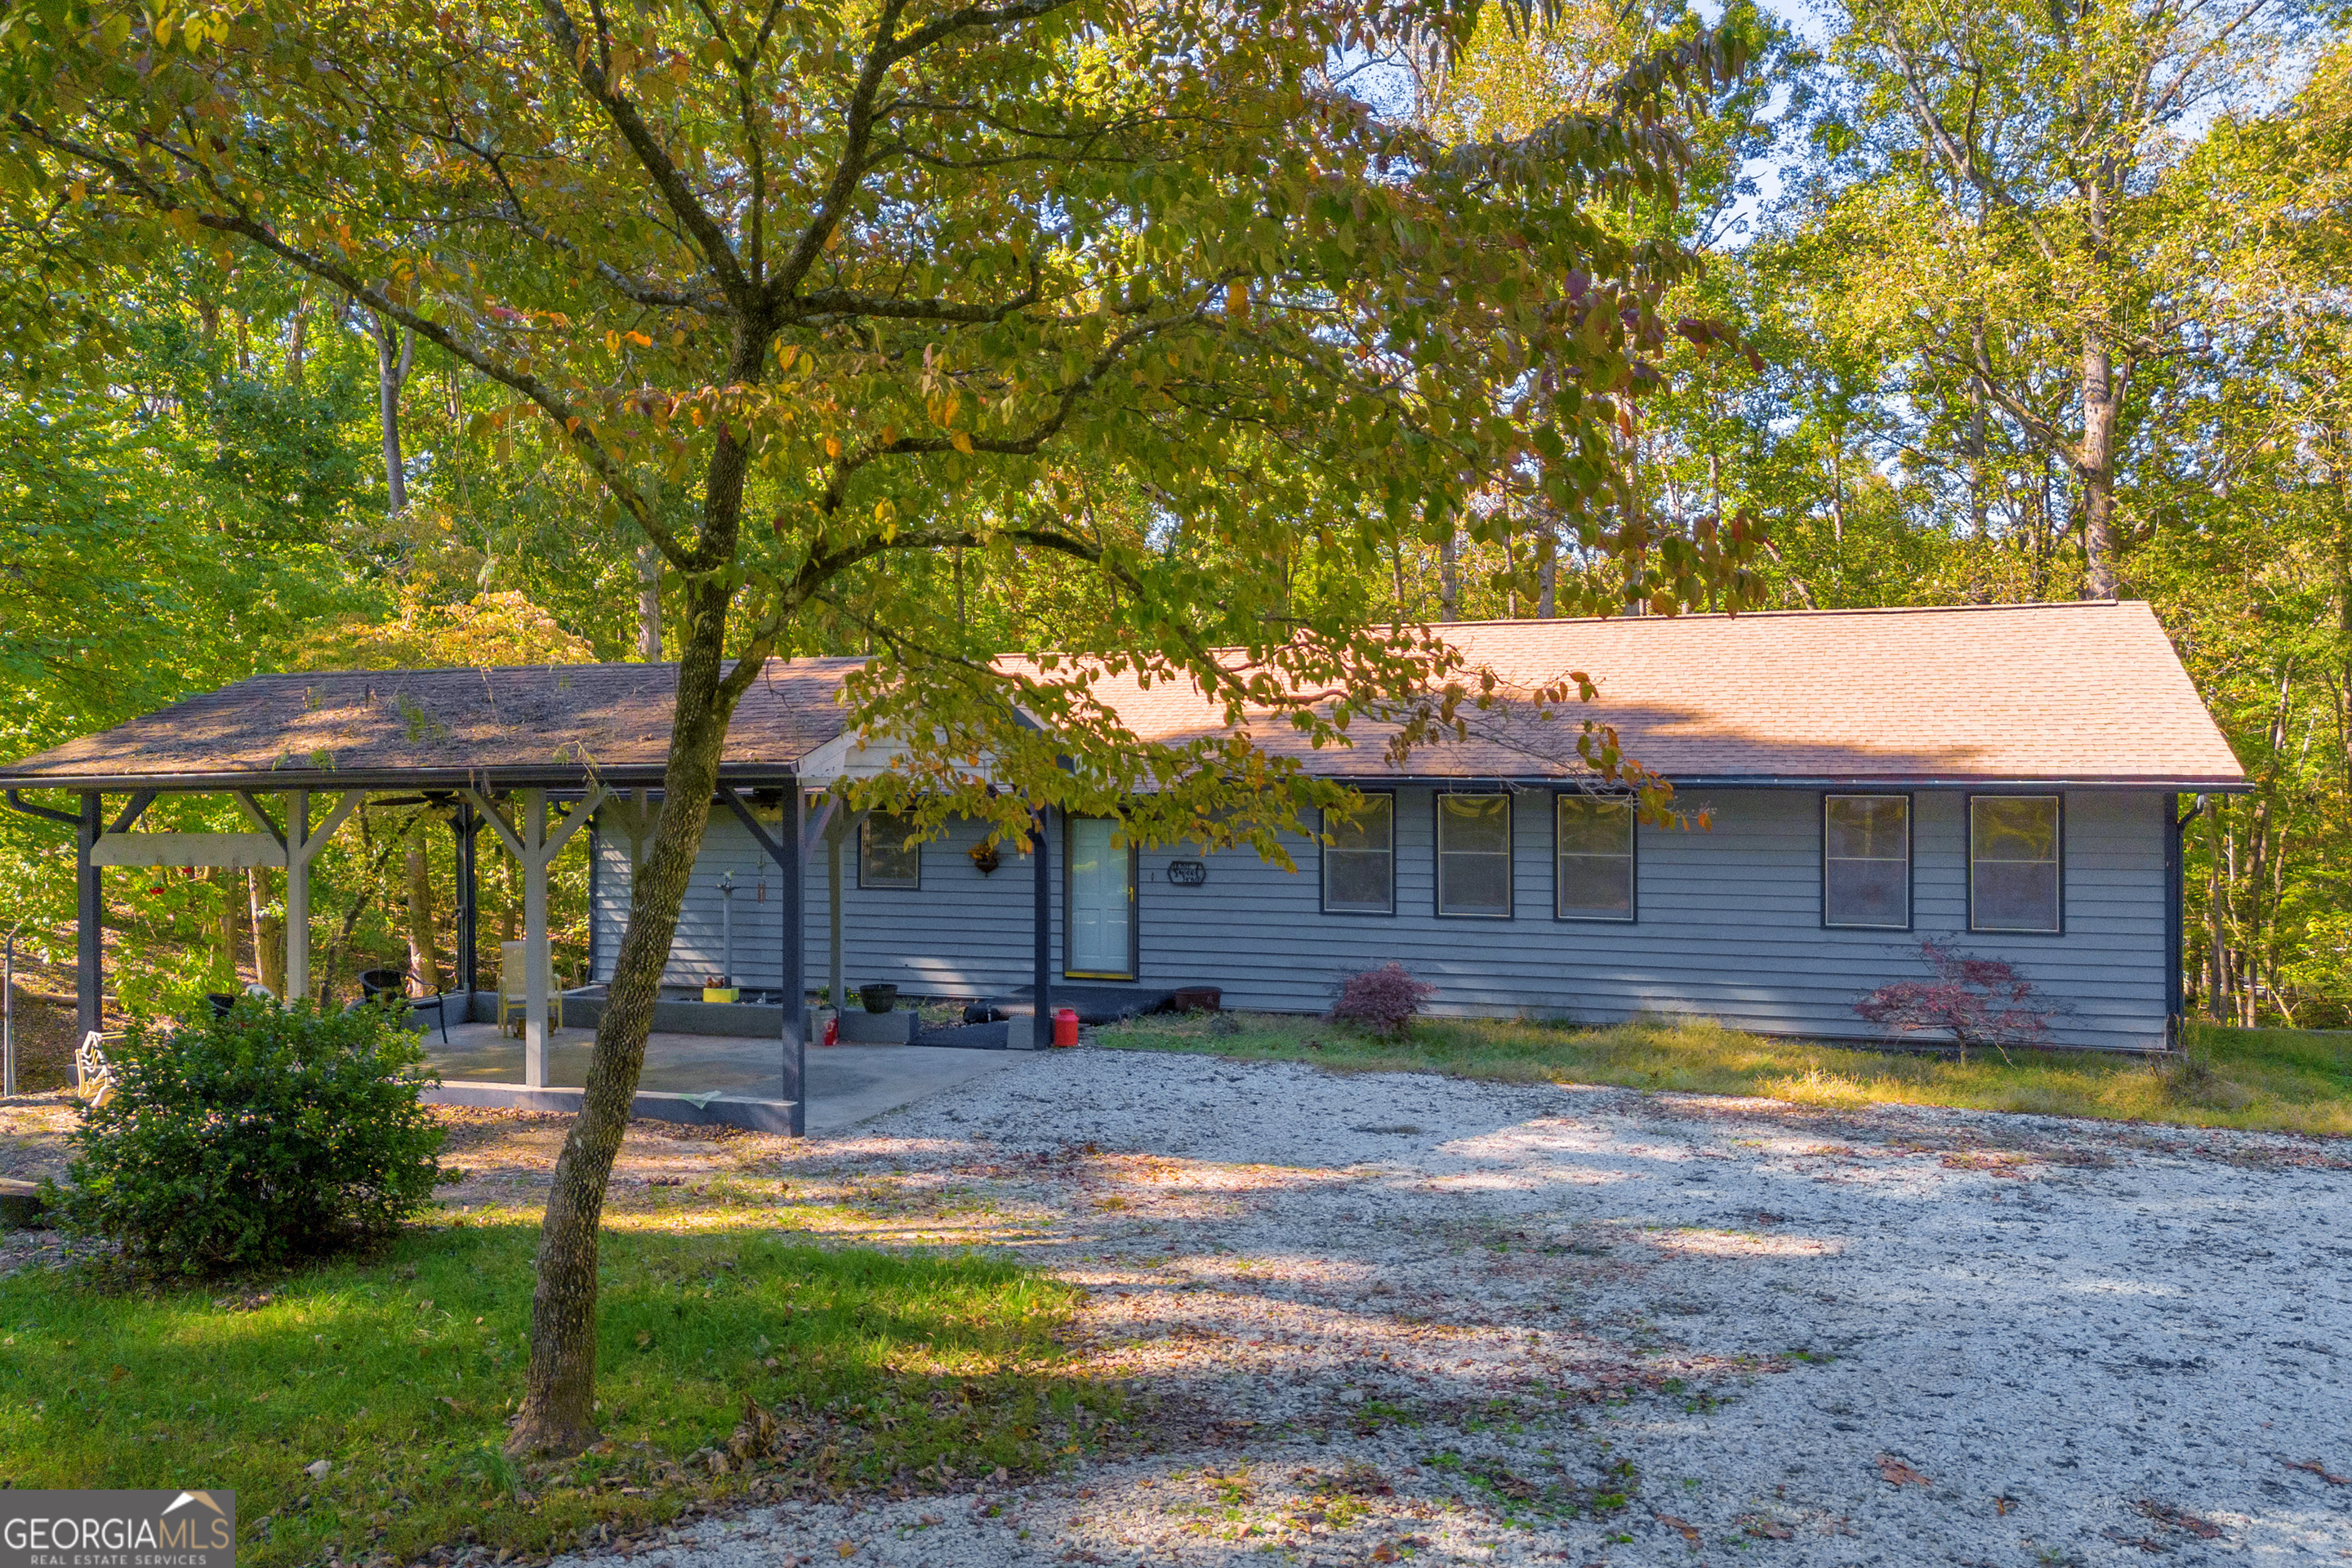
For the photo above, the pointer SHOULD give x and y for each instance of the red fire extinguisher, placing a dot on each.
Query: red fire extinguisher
(1065, 1027)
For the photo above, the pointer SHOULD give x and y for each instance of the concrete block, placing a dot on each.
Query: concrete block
(699, 1109)
(859, 1027)
(20, 1204)
(1021, 1033)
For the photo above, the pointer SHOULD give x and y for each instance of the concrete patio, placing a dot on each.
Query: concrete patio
(846, 1084)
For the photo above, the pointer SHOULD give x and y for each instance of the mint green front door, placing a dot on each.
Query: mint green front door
(1102, 902)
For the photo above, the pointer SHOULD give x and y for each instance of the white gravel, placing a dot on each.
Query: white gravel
(1400, 1318)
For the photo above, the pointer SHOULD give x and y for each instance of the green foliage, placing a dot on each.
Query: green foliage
(272, 1135)
(400, 1368)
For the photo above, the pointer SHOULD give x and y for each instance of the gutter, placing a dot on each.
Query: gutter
(532, 776)
(2175, 923)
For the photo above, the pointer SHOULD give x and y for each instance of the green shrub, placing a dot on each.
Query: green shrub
(272, 1135)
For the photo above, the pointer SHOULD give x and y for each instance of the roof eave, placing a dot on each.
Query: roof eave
(283, 780)
(2194, 784)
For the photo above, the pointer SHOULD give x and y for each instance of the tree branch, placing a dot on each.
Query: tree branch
(675, 194)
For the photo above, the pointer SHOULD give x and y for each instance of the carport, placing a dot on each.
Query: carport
(528, 755)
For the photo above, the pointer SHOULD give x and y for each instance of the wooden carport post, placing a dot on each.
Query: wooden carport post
(302, 846)
(1041, 1026)
(89, 980)
(534, 847)
(785, 850)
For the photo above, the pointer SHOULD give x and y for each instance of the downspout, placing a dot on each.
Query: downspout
(2174, 933)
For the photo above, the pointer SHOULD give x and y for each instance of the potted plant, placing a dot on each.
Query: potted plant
(716, 989)
(879, 997)
(984, 856)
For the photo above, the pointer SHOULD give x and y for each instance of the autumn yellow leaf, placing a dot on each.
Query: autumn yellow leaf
(960, 441)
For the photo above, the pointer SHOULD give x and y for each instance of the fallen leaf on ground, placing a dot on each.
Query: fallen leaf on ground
(2316, 1469)
(1689, 1531)
(1895, 1473)
(2165, 1513)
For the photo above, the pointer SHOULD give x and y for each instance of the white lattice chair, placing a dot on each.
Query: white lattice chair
(93, 1073)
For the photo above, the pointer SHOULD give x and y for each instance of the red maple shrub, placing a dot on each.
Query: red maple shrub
(1382, 1000)
(1978, 1002)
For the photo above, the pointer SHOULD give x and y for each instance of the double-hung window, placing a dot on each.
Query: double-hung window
(1359, 859)
(1594, 878)
(1866, 861)
(886, 858)
(2015, 883)
(1474, 855)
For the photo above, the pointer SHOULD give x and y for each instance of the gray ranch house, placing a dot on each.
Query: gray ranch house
(2009, 777)
(2014, 778)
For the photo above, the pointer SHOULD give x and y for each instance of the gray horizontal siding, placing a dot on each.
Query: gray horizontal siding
(1729, 927)
(960, 934)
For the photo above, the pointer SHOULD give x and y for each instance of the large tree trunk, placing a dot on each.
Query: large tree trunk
(227, 923)
(422, 962)
(650, 575)
(2094, 465)
(297, 341)
(390, 374)
(269, 939)
(560, 1397)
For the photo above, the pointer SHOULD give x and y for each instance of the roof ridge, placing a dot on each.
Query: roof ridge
(1798, 614)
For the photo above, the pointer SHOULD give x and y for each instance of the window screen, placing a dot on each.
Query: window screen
(1360, 861)
(2013, 862)
(1473, 855)
(1595, 878)
(1866, 860)
(885, 858)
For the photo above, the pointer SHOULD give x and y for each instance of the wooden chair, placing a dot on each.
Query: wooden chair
(514, 998)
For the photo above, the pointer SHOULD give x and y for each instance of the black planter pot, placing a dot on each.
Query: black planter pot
(879, 997)
(220, 1002)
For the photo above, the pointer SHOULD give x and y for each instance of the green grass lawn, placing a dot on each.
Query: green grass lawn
(2274, 1080)
(400, 1371)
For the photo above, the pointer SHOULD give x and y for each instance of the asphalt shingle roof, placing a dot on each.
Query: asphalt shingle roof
(2065, 692)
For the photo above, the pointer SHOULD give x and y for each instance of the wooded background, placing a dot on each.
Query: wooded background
(2043, 301)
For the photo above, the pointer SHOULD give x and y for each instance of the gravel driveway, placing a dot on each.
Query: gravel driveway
(1400, 1318)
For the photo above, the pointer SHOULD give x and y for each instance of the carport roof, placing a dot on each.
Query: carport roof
(540, 724)
(2067, 693)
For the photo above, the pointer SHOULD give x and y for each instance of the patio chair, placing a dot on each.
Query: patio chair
(513, 996)
(93, 1074)
(389, 988)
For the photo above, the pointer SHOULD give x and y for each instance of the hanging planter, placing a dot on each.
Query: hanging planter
(984, 856)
